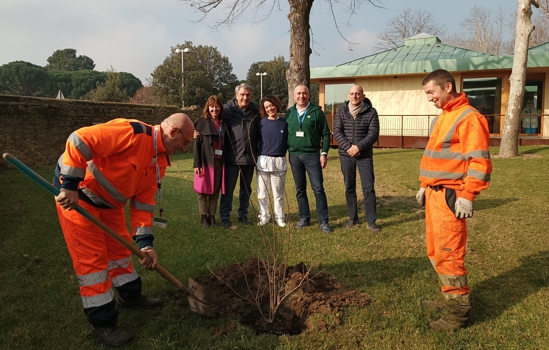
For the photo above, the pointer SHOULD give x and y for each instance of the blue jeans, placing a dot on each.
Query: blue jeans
(366, 170)
(310, 164)
(232, 173)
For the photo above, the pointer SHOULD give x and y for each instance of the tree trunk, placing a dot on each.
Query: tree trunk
(299, 71)
(511, 126)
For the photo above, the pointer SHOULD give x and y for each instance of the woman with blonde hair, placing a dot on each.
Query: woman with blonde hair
(208, 159)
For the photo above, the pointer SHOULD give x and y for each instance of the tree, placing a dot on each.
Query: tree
(144, 96)
(130, 83)
(539, 35)
(483, 31)
(22, 78)
(273, 83)
(511, 124)
(74, 84)
(110, 90)
(406, 24)
(206, 73)
(66, 60)
(298, 71)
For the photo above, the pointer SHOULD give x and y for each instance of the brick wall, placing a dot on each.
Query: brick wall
(34, 130)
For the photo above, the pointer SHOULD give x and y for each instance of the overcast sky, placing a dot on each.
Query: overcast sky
(135, 36)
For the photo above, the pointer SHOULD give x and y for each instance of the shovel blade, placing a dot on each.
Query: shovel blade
(200, 293)
(199, 307)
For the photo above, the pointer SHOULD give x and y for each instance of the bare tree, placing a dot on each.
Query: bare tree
(484, 29)
(539, 35)
(511, 125)
(406, 24)
(300, 31)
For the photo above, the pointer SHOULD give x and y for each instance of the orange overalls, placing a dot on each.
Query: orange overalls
(456, 163)
(109, 164)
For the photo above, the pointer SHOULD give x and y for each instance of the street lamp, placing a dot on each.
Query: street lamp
(182, 52)
(261, 75)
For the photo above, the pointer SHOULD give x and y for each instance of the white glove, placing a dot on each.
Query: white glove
(420, 196)
(464, 208)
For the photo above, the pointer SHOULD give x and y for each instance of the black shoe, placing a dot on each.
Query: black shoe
(373, 228)
(142, 302)
(244, 219)
(351, 224)
(303, 223)
(226, 223)
(111, 335)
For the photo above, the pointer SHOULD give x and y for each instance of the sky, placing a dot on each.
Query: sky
(135, 36)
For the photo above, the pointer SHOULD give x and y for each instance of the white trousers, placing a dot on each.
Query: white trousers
(271, 173)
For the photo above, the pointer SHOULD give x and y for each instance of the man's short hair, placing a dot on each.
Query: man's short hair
(242, 86)
(440, 77)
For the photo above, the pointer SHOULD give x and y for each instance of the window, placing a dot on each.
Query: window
(335, 97)
(485, 95)
(531, 107)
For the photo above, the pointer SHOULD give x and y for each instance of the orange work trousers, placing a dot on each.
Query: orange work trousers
(446, 245)
(99, 261)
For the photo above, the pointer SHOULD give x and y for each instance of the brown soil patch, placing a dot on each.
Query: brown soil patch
(321, 294)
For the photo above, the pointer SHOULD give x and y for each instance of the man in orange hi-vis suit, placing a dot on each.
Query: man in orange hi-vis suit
(103, 167)
(455, 167)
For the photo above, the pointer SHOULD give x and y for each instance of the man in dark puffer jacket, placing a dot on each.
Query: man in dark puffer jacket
(356, 129)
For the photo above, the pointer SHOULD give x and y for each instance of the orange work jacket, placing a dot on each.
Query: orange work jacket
(112, 163)
(457, 154)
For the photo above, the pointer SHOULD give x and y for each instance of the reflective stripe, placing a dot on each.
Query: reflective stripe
(445, 154)
(441, 174)
(81, 146)
(98, 300)
(95, 198)
(123, 263)
(479, 175)
(142, 206)
(103, 182)
(478, 154)
(433, 123)
(453, 281)
(447, 141)
(139, 231)
(124, 278)
(93, 278)
(433, 263)
(70, 170)
(461, 299)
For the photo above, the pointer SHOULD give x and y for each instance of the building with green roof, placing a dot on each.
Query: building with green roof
(392, 81)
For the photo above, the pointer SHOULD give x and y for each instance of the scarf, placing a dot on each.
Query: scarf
(355, 109)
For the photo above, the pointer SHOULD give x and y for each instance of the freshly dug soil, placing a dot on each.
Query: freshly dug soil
(319, 294)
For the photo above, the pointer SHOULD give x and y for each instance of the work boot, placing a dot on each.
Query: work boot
(111, 335)
(245, 220)
(455, 319)
(142, 302)
(211, 219)
(437, 305)
(205, 221)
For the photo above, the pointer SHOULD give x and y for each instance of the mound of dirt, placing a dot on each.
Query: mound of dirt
(317, 294)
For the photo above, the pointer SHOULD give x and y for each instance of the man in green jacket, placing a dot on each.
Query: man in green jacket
(308, 144)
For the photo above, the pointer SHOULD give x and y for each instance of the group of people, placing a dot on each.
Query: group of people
(234, 139)
(106, 165)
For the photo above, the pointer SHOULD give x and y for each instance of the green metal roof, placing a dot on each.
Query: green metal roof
(425, 53)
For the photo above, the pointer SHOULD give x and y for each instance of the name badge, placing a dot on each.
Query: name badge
(218, 152)
(300, 134)
(160, 222)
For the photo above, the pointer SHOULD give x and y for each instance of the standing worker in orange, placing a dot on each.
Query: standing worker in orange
(455, 168)
(103, 167)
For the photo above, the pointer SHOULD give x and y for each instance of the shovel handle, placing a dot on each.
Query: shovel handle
(52, 189)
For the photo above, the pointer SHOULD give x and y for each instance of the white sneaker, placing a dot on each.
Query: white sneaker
(280, 223)
(262, 221)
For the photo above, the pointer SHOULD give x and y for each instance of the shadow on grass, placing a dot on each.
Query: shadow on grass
(483, 204)
(493, 297)
(535, 150)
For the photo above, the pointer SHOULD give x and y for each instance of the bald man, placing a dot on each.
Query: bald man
(103, 167)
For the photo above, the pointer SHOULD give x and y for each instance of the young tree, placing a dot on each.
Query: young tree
(206, 72)
(298, 71)
(66, 60)
(110, 90)
(406, 24)
(144, 96)
(273, 83)
(511, 125)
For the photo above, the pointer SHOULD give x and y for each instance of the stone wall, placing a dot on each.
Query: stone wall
(34, 130)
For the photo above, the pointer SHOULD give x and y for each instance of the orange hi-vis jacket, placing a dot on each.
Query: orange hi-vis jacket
(112, 163)
(457, 154)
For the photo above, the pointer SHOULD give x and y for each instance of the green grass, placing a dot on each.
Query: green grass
(508, 264)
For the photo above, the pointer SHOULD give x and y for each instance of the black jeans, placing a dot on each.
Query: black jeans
(232, 173)
(366, 170)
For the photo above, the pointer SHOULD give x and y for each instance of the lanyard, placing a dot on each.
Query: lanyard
(302, 118)
(158, 181)
(218, 132)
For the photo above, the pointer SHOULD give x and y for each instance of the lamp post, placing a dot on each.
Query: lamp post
(182, 52)
(261, 84)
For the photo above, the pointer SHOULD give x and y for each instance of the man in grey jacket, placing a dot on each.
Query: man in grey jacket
(356, 129)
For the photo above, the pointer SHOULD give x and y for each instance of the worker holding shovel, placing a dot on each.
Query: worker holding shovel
(103, 167)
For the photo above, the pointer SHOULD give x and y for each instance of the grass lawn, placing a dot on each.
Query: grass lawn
(508, 264)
